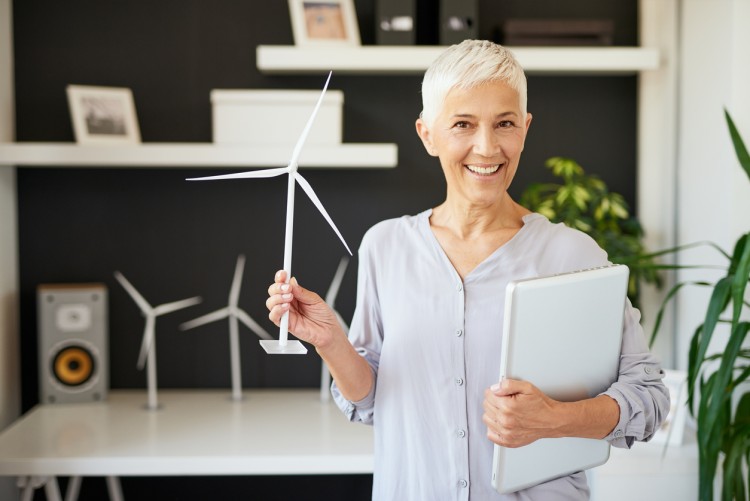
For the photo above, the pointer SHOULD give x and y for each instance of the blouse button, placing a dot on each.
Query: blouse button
(459, 332)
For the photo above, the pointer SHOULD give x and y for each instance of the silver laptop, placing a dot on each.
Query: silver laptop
(563, 334)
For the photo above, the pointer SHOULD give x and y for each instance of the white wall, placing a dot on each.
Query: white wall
(9, 350)
(713, 194)
(657, 136)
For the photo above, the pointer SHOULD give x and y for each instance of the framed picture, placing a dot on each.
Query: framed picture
(324, 23)
(673, 427)
(103, 115)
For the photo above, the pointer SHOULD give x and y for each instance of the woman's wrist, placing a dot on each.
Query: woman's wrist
(591, 418)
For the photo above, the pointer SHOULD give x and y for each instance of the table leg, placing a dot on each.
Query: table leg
(28, 484)
(114, 488)
(74, 487)
(27, 488)
(51, 489)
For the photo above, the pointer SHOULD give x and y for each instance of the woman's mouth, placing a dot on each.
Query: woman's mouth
(484, 170)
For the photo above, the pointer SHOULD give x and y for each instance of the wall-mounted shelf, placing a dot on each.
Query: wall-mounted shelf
(373, 59)
(347, 155)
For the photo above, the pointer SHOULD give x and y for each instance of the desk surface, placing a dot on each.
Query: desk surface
(193, 433)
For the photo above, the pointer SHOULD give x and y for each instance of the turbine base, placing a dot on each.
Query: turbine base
(273, 347)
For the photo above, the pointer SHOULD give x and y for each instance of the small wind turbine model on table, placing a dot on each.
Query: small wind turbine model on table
(148, 346)
(234, 313)
(283, 345)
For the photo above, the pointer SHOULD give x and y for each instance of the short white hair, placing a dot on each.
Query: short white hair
(466, 65)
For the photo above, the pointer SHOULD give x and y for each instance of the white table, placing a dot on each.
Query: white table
(647, 473)
(287, 432)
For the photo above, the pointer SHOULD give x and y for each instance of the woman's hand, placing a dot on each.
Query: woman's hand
(313, 321)
(310, 318)
(517, 413)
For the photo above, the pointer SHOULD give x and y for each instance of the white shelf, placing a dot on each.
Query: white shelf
(348, 155)
(375, 59)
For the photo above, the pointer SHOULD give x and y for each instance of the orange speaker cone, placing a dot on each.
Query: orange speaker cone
(73, 365)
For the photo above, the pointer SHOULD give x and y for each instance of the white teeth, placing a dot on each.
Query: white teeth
(483, 170)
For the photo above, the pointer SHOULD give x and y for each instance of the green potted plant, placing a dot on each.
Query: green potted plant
(584, 202)
(719, 397)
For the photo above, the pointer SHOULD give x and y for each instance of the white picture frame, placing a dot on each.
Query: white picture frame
(324, 23)
(103, 115)
(672, 430)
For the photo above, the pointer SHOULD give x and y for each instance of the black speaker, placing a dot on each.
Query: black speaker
(73, 348)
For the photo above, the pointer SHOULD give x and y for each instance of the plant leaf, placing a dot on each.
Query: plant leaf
(692, 358)
(709, 439)
(741, 276)
(662, 308)
(734, 485)
(739, 144)
(674, 250)
(719, 397)
(716, 305)
(742, 415)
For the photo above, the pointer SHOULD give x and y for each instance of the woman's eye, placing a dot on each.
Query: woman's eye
(506, 124)
(461, 125)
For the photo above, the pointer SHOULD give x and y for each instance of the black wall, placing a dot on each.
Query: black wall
(175, 239)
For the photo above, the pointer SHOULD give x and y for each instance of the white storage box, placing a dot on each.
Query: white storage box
(277, 117)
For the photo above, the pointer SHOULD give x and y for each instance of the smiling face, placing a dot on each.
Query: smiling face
(478, 137)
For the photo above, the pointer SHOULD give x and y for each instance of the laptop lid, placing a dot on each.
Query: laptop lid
(562, 333)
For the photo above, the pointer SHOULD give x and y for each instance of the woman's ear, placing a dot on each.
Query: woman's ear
(424, 134)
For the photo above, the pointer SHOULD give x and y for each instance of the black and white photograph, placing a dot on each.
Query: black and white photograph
(103, 114)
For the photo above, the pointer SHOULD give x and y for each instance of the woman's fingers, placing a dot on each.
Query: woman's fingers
(279, 297)
(275, 313)
(280, 276)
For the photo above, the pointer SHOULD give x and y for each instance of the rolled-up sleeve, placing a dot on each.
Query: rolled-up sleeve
(639, 391)
(361, 411)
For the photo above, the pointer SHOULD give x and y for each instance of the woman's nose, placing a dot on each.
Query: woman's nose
(486, 142)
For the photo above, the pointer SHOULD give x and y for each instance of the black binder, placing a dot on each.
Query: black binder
(458, 20)
(395, 22)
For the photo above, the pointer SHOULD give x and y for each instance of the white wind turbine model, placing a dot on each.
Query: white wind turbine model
(283, 346)
(330, 299)
(233, 313)
(148, 347)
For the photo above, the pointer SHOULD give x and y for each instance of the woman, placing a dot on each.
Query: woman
(422, 359)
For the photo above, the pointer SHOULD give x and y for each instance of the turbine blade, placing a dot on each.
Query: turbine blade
(139, 300)
(148, 338)
(176, 305)
(244, 175)
(333, 290)
(252, 325)
(205, 319)
(303, 137)
(310, 193)
(234, 292)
